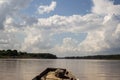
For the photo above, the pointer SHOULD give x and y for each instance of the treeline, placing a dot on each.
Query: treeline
(19, 54)
(117, 56)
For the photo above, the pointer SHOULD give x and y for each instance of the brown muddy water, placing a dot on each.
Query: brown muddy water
(26, 69)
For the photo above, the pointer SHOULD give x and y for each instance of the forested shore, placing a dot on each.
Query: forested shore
(19, 54)
(115, 57)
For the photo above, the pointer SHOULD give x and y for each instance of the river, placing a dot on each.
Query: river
(26, 69)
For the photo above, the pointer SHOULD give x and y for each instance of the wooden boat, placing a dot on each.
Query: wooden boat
(55, 74)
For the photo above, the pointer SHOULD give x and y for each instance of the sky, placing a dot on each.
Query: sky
(61, 27)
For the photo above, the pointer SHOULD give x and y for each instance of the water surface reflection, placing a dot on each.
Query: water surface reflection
(26, 69)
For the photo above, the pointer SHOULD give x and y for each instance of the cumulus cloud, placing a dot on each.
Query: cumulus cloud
(10, 8)
(104, 7)
(114, 31)
(62, 24)
(47, 8)
(25, 33)
(9, 21)
(9, 40)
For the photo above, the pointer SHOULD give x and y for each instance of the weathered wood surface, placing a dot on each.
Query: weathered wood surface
(55, 74)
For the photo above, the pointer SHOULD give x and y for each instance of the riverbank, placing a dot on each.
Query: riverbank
(16, 54)
(107, 57)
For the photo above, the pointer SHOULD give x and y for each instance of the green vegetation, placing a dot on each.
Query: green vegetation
(115, 57)
(16, 54)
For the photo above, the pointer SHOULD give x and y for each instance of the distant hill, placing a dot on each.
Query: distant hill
(116, 57)
(16, 54)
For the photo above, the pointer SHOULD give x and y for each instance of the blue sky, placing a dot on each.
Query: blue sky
(61, 27)
(63, 8)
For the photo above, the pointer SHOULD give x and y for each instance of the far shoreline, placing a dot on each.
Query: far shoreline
(14, 54)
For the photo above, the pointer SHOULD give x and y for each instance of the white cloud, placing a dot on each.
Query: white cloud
(74, 23)
(8, 40)
(36, 40)
(105, 7)
(47, 8)
(68, 44)
(10, 8)
(94, 42)
(39, 36)
(30, 34)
